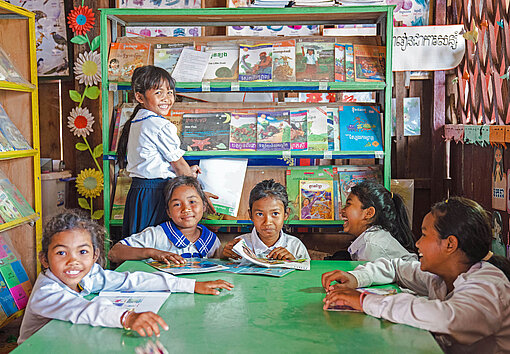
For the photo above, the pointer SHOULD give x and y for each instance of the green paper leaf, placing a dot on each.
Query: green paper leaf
(98, 214)
(75, 95)
(98, 151)
(95, 43)
(81, 146)
(92, 92)
(82, 39)
(83, 203)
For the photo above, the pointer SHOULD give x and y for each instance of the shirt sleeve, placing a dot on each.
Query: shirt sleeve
(148, 238)
(169, 144)
(300, 251)
(214, 248)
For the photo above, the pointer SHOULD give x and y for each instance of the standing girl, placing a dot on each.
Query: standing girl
(151, 146)
(463, 290)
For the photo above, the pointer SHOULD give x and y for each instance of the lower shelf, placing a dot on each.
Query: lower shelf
(11, 317)
(309, 223)
(18, 222)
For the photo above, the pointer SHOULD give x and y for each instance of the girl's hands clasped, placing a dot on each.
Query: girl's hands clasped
(344, 279)
(211, 287)
(145, 323)
(343, 296)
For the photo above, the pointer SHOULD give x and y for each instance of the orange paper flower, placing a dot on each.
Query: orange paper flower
(81, 19)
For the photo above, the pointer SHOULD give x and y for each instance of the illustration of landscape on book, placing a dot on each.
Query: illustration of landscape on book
(206, 131)
(315, 59)
(243, 131)
(234, 267)
(273, 131)
(192, 266)
(316, 200)
(255, 62)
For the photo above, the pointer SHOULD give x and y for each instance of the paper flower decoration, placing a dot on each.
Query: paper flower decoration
(80, 121)
(81, 19)
(89, 183)
(86, 68)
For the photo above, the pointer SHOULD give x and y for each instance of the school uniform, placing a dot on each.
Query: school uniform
(153, 144)
(291, 243)
(52, 299)
(167, 237)
(475, 312)
(375, 243)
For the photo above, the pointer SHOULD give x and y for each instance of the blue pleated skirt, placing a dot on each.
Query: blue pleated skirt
(145, 205)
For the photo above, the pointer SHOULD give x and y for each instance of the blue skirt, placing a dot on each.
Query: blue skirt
(145, 205)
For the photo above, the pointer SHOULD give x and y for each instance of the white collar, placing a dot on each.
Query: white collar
(260, 247)
(359, 241)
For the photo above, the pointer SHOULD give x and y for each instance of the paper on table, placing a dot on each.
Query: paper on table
(139, 301)
(225, 178)
(191, 66)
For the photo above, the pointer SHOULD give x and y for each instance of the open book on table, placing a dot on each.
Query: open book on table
(375, 291)
(242, 249)
(192, 266)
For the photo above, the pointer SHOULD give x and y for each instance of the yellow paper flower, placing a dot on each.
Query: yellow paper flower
(89, 183)
(80, 121)
(86, 68)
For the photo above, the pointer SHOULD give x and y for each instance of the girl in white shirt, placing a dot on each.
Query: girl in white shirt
(268, 211)
(71, 246)
(149, 149)
(181, 237)
(463, 289)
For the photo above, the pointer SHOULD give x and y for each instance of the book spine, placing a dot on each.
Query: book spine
(349, 62)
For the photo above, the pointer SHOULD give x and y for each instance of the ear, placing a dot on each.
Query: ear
(96, 255)
(450, 244)
(44, 260)
(369, 212)
(139, 97)
(286, 214)
(249, 212)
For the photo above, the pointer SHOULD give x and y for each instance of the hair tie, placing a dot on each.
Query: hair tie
(391, 195)
(488, 256)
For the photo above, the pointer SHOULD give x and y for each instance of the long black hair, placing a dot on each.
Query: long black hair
(471, 225)
(390, 211)
(144, 78)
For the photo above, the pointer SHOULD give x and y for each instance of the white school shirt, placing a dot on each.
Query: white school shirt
(155, 237)
(52, 299)
(291, 243)
(375, 243)
(153, 144)
(478, 307)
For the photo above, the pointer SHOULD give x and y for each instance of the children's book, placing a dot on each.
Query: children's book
(192, 266)
(175, 117)
(333, 129)
(8, 71)
(138, 301)
(349, 176)
(243, 132)
(317, 124)
(167, 54)
(273, 131)
(316, 200)
(256, 62)
(119, 201)
(284, 61)
(11, 133)
(166, 31)
(6, 300)
(224, 62)
(369, 63)
(191, 65)
(411, 116)
(6, 250)
(360, 128)
(12, 201)
(349, 62)
(8, 210)
(242, 249)
(237, 268)
(205, 131)
(339, 62)
(375, 291)
(298, 130)
(315, 59)
(121, 117)
(124, 58)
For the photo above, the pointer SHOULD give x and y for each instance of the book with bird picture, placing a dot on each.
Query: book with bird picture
(273, 131)
(243, 131)
(205, 131)
(255, 62)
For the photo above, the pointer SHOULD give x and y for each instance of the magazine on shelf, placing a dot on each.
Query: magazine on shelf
(316, 200)
(234, 267)
(12, 204)
(243, 131)
(205, 131)
(224, 62)
(339, 62)
(333, 129)
(122, 114)
(242, 249)
(8, 71)
(317, 124)
(369, 63)
(192, 266)
(375, 291)
(255, 62)
(138, 301)
(349, 62)
(121, 190)
(315, 59)
(166, 55)
(273, 130)
(191, 65)
(350, 175)
(167, 31)
(11, 133)
(124, 58)
(284, 61)
(298, 130)
(360, 128)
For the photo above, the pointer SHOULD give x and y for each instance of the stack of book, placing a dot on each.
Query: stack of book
(10, 137)
(13, 205)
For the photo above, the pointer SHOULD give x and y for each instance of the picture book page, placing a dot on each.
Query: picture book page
(138, 301)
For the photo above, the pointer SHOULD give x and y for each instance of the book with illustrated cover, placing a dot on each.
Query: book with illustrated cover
(11, 133)
(284, 61)
(137, 301)
(6, 250)
(360, 128)
(298, 130)
(339, 62)
(175, 116)
(316, 200)
(8, 210)
(273, 131)
(6, 300)
(349, 62)
(13, 203)
(256, 62)
(243, 132)
(333, 129)
(166, 55)
(369, 63)
(8, 71)
(124, 58)
(234, 267)
(349, 176)
(205, 131)
(242, 249)
(119, 201)
(5, 145)
(192, 266)
(317, 124)
(121, 117)
(375, 291)
(315, 59)
(224, 62)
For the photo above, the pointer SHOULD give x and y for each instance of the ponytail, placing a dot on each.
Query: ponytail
(502, 263)
(403, 232)
(123, 140)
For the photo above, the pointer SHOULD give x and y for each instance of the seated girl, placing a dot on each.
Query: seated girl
(268, 211)
(181, 237)
(463, 289)
(71, 246)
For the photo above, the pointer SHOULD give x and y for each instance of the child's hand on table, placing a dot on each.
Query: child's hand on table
(342, 297)
(281, 253)
(345, 280)
(145, 323)
(210, 287)
(228, 252)
(167, 257)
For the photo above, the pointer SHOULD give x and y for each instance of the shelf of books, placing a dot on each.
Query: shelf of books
(260, 97)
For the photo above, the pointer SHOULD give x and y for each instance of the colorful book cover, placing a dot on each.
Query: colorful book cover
(284, 60)
(273, 131)
(243, 131)
(124, 58)
(6, 253)
(339, 62)
(256, 62)
(125, 111)
(349, 176)
(114, 128)
(166, 55)
(8, 210)
(223, 64)
(317, 124)
(298, 130)
(176, 118)
(15, 197)
(192, 266)
(27, 286)
(11, 133)
(237, 268)
(119, 201)
(349, 62)
(20, 272)
(9, 276)
(369, 63)
(333, 129)
(20, 296)
(205, 131)
(316, 200)
(360, 128)
(315, 59)
(6, 299)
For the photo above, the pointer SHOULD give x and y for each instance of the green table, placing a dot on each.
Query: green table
(261, 315)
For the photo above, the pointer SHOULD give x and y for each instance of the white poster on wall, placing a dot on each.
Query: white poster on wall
(427, 48)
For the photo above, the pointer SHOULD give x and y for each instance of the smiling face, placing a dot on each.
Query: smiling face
(498, 156)
(430, 247)
(185, 207)
(158, 100)
(356, 219)
(70, 256)
(268, 215)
